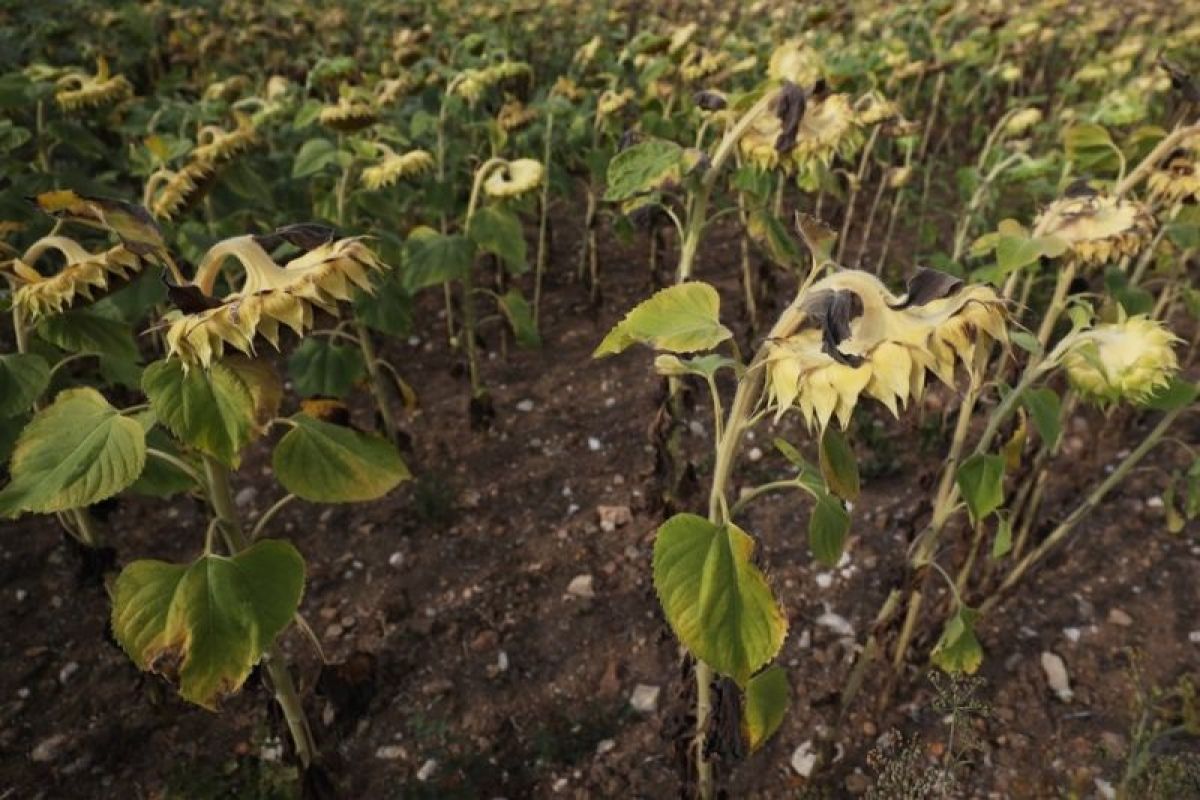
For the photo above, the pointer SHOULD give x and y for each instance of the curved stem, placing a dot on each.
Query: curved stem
(269, 514)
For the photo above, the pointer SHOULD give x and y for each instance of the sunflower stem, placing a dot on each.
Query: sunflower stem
(220, 496)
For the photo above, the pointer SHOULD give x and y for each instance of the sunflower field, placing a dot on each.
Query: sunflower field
(600, 399)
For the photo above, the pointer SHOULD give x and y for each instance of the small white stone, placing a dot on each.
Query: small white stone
(23, 693)
(1154, 502)
(21, 594)
(605, 746)
(390, 752)
(805, 640)
(1194, 637)
(613, 517)
(582, 586)
(1118, 617)
(414, 341)
(836, 623)
(525, 405)
(1072, 634)
(824, 580)
(594, 444)
(644, 698)
(1105, 789)
(245, 497)
(396, 560)
(755, 454)
(804, 759)
(47, 749)
(1056, 676)
(271, 750)
(502, 661)
(560, 785)
(427, 769)
(68, 670)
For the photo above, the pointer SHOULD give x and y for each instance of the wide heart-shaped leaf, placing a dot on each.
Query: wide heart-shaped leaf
(211, 410)
(206, 624)
(313, 156)
(643, 168)
(433, 258)
(328, 463)
(717, 602)
(683, 318)
(23, 378)
(322, 367)
(76, 452)
(767, 698)
(498, 230)
(82, 331)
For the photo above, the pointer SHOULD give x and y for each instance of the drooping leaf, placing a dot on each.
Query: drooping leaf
(767, 698)
(1176, 394)
(683, 318)
(261, 379)
(23, 378)
(981, 481)
(320, 366)
(838, 464)
(327, 463)
(1002, 544)
(211, 410)
(519, 314)
(160, 478)
(131, 223)
(313, 156)
(81, 331)
(388, 309)
(1045, 409)
(643, 167)
(497, 230)
(958, 649)
(705, 366)
(828, 526)
(716, 601)
(433, 258)
(206, 624)
(77, 451)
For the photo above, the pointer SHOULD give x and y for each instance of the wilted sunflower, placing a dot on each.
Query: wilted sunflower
(873, 108)
(77, 89)
(854, 337)
(587, 53)
(514, 178)
(515, 115)
(567, 89)
(681, 36)
(270, 295)
(215, 145)
(1096, 227)
(349, 114)
(612, 102)
(167, 193)
(389, 90)
(395, 167)
(408, 44)
(700, 63)
(1177, 177)
(228, 89)
(1127, 360)
(802, 130)
(1022, 121)
(42, 295)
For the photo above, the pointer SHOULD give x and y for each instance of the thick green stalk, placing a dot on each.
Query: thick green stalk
(221, 497)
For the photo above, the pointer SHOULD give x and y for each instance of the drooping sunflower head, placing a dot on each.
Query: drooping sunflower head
(699, 64)
(802, 129)
(229, 89)
(514, 178)
(168, 193)
(77, 90)
(567, 89)
(1177, 177)
(352, 112)
(873, 108)
(612, 102)
(389, 90)
(39, 295)
(215, 145)
(1096, 227)
(853, 337)
(1127, 360)
(271, 295)
(395, 167)
(515, 115)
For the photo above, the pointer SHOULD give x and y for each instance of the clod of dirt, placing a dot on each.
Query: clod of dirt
(1056, 676)
(427, 770)
(390, 752)
(644, 699)
(1119, 617)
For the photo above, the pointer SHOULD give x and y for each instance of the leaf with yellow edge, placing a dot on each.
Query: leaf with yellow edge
(716, 601)
(683, 318)
(328, 463)
(206, 624)
(767, 698)
(959, 650)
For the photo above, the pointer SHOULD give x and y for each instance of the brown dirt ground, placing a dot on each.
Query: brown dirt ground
(488, 537)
